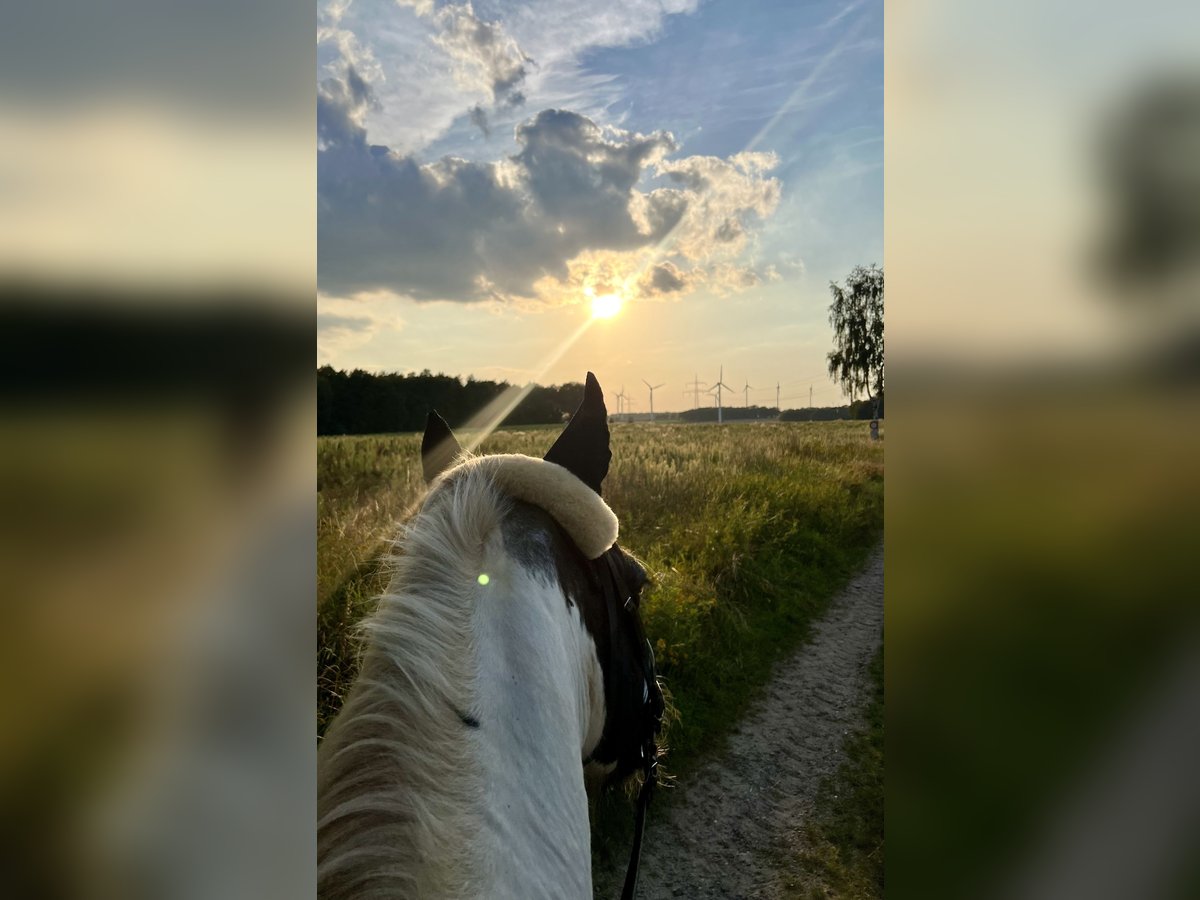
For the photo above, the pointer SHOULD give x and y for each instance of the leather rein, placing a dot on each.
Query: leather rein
(623, 611)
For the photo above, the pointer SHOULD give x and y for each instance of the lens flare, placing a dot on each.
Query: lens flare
(606, 306)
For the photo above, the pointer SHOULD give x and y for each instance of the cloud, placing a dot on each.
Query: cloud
(580, 208)
(484, 51)
(561, 28)
(344, 325)
(337, 334)
(730, 196)
(445, 59)
(729, 278)
(664, 278)
(331, 322)
(342, 105)
(480, 120)
(340, 47)
(730, 230)
(484, 56)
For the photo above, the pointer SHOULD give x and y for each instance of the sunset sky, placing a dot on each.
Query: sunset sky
(490, 176)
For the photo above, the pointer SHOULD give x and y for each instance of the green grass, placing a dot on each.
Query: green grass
(748, 530)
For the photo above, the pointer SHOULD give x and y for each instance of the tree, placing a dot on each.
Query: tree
(856, 314)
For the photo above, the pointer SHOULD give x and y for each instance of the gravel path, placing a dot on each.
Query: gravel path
(737, 820)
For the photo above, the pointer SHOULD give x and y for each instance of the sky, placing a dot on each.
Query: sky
(492, 175)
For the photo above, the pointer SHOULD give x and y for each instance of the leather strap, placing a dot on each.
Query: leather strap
(614, 589)
(639, 827)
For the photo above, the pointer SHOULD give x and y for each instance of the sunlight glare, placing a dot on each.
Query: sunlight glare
(606, 306)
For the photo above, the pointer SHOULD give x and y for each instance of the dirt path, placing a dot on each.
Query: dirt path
(735, 822)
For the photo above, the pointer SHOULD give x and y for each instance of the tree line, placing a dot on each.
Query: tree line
(360, 402)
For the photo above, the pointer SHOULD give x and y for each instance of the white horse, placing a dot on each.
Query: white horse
(506, 655)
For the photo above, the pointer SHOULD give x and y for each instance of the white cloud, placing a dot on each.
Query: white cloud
(484, 58)
(441, 62)
(487, 57)
(569, 27)
(729, 195)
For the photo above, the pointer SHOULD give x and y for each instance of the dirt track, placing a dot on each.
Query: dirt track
(736, 821)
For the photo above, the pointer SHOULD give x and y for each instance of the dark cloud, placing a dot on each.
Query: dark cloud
(584, 180)
(666, 278)
(342, 103)
(693, 180)
(462, 230)
(480, 120)
(730, 230)
(359, 91)
(563, 215)
(334, 322)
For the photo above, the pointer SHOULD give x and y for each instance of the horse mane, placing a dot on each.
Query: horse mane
(399, 793)
(396, 787)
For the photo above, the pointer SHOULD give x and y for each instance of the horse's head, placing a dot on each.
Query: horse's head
(598, 578)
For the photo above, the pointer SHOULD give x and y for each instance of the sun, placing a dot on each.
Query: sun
(606, 306)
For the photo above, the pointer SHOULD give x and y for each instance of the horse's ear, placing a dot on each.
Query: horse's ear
(439, 447)
(582, 449)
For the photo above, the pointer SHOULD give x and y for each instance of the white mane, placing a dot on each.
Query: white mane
(404, 781)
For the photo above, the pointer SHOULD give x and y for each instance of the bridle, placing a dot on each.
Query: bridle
(623, 613)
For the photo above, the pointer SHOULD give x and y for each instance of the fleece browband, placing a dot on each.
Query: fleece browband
(581, 512)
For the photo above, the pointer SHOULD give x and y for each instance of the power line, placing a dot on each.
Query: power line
(695, 391)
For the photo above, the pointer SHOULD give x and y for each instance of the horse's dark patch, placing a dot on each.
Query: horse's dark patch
(631, 693)
(539, 543)
(529, 534)
(535, 540)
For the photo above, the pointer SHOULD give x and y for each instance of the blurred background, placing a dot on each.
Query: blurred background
(1043, 257)
(157, 328)
(157, 276)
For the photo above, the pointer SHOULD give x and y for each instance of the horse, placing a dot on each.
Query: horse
(504, 667)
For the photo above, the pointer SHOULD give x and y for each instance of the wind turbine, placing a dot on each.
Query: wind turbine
(747, 389)
(717, 387)
(620, 400)
(653, 388)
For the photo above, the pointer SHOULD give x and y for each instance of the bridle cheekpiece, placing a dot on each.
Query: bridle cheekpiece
(624, 612)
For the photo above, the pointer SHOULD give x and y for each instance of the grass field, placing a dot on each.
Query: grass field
(748, 530)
